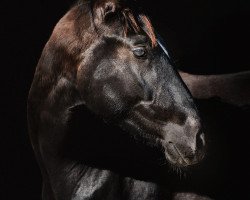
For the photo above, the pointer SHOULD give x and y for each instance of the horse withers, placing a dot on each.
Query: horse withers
(103, 55)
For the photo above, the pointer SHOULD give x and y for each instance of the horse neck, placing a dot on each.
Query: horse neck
(104, 184)
(88, 176)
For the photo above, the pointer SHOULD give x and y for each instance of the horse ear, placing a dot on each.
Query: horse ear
(103, 10)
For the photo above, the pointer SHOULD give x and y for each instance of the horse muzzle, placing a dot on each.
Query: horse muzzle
(178, 130)
(185, 152)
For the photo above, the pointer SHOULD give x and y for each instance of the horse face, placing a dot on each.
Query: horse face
(131, 83)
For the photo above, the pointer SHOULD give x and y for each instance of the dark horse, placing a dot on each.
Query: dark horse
(104, 63)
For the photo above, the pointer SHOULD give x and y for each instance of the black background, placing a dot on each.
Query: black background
(203, 37)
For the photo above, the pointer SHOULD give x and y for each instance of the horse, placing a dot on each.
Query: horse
(106, 108)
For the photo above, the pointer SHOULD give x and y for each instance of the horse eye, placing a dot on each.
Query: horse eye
(139, 51)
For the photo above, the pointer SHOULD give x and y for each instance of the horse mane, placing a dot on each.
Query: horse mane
(141, 23)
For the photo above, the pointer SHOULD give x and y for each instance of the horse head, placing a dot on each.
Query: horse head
(127, 79)
(105, 55)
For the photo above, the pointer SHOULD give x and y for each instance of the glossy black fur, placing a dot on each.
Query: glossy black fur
(103, 117)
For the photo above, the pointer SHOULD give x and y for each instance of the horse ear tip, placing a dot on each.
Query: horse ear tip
(109, 7)
(104, 9)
